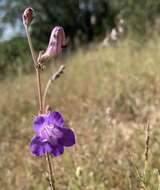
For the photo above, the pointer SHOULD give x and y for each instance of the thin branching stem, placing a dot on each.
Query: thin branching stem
(51, 178)
(45, 92)
(147, 146)
(38, 76)
(41, 108)
(30, 45)
(53, 78)
(36, 68)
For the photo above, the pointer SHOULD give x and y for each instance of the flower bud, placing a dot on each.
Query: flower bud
(27, 16)
(56, 44)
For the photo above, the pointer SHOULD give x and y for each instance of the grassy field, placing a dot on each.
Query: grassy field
(107, 96)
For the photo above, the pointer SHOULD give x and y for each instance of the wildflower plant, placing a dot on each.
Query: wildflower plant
(50, 134)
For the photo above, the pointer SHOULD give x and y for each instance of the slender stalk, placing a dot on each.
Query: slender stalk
(158, 179)
(39, 89)
(147, 146)
(41, 108)
(45, 92)
(53, 78)
(36, 68)
(30, 45)
(51, 179)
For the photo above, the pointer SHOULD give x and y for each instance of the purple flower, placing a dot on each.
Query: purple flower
(56, 44)
(51, 136)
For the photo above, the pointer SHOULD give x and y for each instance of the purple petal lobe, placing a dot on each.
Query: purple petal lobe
(37, 123)
(57, 150)
(68, 138)
(56, 119)
(38, 147)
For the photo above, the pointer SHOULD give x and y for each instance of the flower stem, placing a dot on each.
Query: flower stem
(51, 179)
(36, 68)
(41, 108)
(39, 89)
(30, 45)
(53, 78)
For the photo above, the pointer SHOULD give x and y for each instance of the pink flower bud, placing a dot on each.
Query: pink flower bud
(27, 16)
(56, 44)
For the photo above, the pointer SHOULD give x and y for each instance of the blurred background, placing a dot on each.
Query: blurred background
(108, 94)
(84, 21)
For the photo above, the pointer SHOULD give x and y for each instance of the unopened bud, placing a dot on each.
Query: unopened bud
(27, 16)
(56, 44)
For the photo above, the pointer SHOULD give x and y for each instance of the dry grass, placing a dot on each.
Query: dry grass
(107, 96)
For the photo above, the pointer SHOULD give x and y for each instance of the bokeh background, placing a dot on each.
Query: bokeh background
(109, 93)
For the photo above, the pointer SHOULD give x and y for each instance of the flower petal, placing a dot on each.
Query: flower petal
(56, 119)
(37, 123)
(57, 39)
(57, 150)
(68, 137)
(55, 135)
(38, 147)
(56, 42)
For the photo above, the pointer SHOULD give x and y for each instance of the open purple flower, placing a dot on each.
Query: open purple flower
(51, 136)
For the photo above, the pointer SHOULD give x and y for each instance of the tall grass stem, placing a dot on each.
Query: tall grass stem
(147, 146)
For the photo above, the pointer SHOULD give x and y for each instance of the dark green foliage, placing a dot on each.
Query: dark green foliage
(74, 15)
(13, 56)
(140, 14)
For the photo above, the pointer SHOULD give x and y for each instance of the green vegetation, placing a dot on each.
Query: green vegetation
(75, 15)
(83, 21)
(107, 96)
(14, 57)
